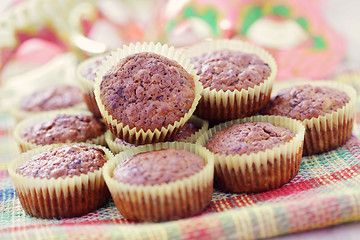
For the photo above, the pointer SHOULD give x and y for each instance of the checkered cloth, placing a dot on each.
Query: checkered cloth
(325, 192)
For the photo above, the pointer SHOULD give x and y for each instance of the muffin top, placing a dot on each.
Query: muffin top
(306, 101)
(248, 138)
(52, 98)
(64, 161)
(188, 130)
(64, 128)
(157, 167)
(147, 91)
(89, 72)
(230, 70)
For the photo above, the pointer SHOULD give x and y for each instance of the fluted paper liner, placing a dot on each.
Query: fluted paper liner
(87, 85)
(118, 147)
(61, 197)
(227, 105)
(179, 199)
(332, 130)
(260, 171)
(20, 127)
(132, 135)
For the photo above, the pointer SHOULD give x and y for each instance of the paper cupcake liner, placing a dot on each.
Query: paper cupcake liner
(118, 147)
(332, 130)
(20, 127)
(61, 197)
(260, 171)
(227, 105)
(183, 198)
(87, 86)
(132, 135)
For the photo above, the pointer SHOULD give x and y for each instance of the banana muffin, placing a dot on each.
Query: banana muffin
(61, 181)
(309, 104)
(147, 91)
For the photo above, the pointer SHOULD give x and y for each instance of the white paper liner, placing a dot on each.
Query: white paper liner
(115, 147)
(182, 198)
(20, 127)
(260, 171)
(132, 135)
(61, 197)
(227, 105)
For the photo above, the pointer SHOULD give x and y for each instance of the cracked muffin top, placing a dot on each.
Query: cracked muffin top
(64, 161)
(64, 128)
(246, 138)
(147, 91)
(159, 166)
(306, 101)
(230, 70)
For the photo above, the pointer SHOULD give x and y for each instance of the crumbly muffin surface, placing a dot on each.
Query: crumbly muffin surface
(306, 101)
(230, 70)
(188, 130)
(64, 161)
(52, 98)
(89, 72)
(157, 167)
(248, 138)
(147, 91)
(64, 128)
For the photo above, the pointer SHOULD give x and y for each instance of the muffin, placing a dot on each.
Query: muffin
(59, 127)
(255, 154)
(189, 133)
(49, 99)
(146, 93)
(86, 74)
(237, 78)
(61, 181)
(325, 108)
(161, 182)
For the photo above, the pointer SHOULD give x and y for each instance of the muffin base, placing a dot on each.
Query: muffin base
(223, 112)
(324, 140)
(42, 204)
(90, 101)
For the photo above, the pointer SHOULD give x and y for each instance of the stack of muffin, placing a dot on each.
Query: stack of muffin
(167, 159)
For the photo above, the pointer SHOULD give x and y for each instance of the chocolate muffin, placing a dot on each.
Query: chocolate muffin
(179, 176)
(237, 78)
(255, 154)
(309, 104)
(52, 98)
(86, 74)
(247, 138)
(147, 91)
(61, 181)
(230, 70)
(64, 127)
(158, 167)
